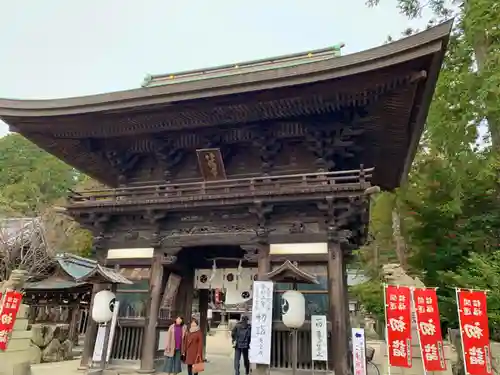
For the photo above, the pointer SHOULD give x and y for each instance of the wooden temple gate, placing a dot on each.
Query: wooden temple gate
(240, 160)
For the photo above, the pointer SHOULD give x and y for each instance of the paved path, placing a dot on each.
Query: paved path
(219, 355)
(217, 365)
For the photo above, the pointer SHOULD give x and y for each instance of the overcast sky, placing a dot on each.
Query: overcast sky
(60, 48)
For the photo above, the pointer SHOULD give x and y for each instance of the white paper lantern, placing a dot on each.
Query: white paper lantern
(294, 309)
(102, 310)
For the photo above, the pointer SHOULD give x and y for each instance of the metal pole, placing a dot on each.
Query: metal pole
(104, 353)
(294, 351)
(295, 345)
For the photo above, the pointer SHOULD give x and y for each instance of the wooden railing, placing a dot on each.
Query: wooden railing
(83, 321)
(127, 343)
(281, 347)
(352, 180)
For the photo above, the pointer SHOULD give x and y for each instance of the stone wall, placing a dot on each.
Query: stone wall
(50, 342)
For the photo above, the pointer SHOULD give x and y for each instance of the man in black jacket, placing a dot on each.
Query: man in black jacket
(241, 336)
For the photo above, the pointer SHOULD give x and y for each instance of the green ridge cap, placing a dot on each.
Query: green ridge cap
(274, 62)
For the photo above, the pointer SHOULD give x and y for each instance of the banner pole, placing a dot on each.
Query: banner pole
(387, 332)
(457, 290)
(414, 307)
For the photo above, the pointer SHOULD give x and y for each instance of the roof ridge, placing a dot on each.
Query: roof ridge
(298, 57)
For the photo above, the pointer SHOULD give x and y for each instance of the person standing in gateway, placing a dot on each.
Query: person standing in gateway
(241, 336)
(173, 348)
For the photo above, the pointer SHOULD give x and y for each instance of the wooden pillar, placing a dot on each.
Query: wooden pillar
(73, 324)
(91, 332)
(338, 311)
(180, 301)
(184, 298)
(149, 340)
(203, 307)
(189, 291)
(264, 262)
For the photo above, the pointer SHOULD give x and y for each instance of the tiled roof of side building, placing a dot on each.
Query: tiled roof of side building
(77, 271)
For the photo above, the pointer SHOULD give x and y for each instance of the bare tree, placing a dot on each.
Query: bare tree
(23, 246)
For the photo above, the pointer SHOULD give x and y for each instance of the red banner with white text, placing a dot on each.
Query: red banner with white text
(8, 313)
(473, 316)
(429, 329)
(398, 317)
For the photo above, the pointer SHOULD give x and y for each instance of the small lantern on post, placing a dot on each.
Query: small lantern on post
(104, 304)
(102, 310)
(294, 303)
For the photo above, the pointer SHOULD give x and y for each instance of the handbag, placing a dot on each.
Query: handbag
(198, 366)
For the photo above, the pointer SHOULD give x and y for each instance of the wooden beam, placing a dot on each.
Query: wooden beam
(338, 309)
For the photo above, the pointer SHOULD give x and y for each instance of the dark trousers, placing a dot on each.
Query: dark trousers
(238, 353)
(190, 370)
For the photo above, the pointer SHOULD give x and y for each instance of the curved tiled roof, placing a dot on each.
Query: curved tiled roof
(394, 82)
(375, 58)
(76, 271)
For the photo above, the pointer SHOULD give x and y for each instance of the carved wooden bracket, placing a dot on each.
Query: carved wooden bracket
(155, 217)
(168, 259)
(123, 162)
(269, 147)
(95, 222)
(99, 241)
(251, 253)
(170, 255)
(297, 227)
(262, 211)
(337, 217)
(330, 142)
(168, 155)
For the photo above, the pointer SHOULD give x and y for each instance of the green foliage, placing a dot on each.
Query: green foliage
(31, 181)
(372, 296)
(450, 208)
(30, 178)
(481, 272)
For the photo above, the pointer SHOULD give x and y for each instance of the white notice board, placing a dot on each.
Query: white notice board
(319, 338)
(359, 351)
(262, 322)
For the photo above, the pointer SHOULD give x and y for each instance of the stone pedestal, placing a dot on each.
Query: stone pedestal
(16, 360)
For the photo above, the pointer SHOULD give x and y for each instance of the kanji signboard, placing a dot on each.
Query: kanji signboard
(262, 320)
(429, 329)
(319, 336)
(398, 316)
(359, 351)
(8, 314)
(473, 318)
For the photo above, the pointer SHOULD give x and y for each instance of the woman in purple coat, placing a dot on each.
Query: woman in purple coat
(174, 347)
